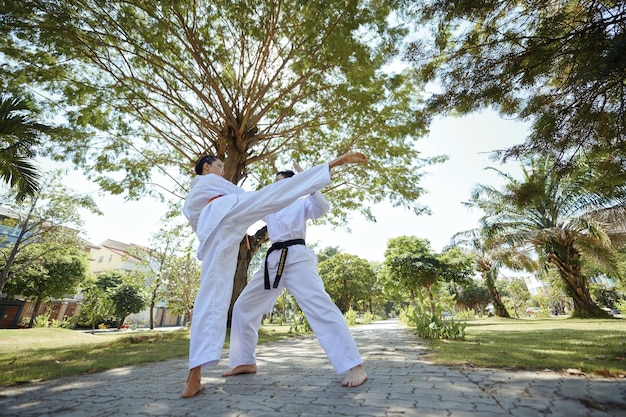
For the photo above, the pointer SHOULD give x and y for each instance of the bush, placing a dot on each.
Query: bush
(42, 320)
(429, 326)
(350, 317)
(466, 314)
(367, 317)
(300, 324)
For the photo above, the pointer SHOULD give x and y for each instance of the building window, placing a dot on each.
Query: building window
(110, 258)
(100, 259)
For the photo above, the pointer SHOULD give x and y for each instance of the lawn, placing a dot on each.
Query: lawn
(28, 355)
(590, 346)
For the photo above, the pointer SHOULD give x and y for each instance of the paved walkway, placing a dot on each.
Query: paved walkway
(295, 379)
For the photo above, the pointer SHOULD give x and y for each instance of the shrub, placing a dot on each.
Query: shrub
(350, 317)
(466, 314)
(42, 320)
(429, 326)
(367, 317)
(300, 324)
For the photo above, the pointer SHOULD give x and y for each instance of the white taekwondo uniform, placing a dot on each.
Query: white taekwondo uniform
(300, 278)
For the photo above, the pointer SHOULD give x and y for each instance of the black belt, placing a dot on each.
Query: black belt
(281, 264)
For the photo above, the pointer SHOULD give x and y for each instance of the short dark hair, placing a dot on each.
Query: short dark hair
(209, 159)
(286, 174)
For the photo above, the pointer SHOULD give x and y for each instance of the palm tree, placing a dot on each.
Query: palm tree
(555, 218)
(488, 262)
(19, 138)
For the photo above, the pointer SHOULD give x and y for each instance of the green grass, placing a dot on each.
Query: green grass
(591, 346)
(28, 355)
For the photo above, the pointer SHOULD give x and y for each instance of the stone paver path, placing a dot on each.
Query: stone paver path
(295, 379)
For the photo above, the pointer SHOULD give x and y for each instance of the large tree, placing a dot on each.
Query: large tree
(559, 64)
(553, 218)
(149, 86)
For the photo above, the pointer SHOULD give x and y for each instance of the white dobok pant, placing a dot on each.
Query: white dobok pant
(301, 279)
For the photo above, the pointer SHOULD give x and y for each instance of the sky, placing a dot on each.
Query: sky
(466, 140)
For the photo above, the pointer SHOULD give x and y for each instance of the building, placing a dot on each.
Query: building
(112, 255)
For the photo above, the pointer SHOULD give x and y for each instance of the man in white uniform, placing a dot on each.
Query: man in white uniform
(293, 266)
(220, 214)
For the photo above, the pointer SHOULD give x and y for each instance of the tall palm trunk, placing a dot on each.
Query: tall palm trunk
(575, 284)
(490, 281)
(489, 275)
(431, 299)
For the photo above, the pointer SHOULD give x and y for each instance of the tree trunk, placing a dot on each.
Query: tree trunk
(489, 276)
(576, 286)
(19, 240)
(431, 300)
(249, 245)
(152, 314)
(241, 276)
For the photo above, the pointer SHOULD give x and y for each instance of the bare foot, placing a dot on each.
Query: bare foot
(348, 158)
(241, 369)
(355, 377)
(194, 385)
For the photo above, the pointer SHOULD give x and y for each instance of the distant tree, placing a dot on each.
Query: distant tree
(125, 293)
(489, 260)
(49, 217)
(557, 64)
(127, 299)
(182, 281)
(328, 252)
(52, 270)
(456, 265)
(414, 266)
(404, 257)
(376, 299)
(347, 279)
(516, 293)
(471, 295)
(150, 273)
(109, 280)
(96, 306)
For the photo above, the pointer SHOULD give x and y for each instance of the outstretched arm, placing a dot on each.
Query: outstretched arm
(348, 158)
